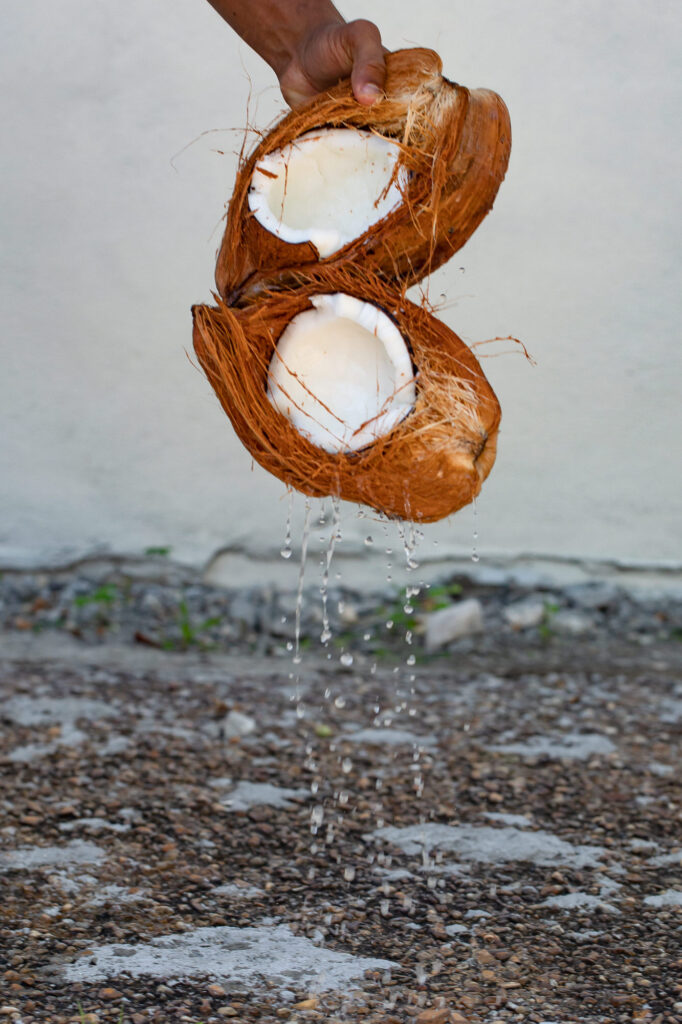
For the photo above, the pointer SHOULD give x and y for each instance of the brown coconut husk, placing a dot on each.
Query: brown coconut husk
(455, 142)
(427, 467)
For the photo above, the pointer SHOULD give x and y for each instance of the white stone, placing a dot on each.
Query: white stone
(570, 623)
(524, 614)
(462, 619)
(236, 725)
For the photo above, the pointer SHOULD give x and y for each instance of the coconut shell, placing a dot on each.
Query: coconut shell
(427, 467)
(455, 143)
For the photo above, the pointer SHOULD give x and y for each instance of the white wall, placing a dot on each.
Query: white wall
(112, 200)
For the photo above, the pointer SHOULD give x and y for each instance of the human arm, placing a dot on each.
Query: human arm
(309, 46)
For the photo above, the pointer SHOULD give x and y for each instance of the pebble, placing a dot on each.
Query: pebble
(441, 1016)
(215, 989)
(109, 993)
(448, 624)
(570, 623)
(524, 614)
(227, 1011)
(236, 725)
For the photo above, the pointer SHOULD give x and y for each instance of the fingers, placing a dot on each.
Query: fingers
(363, 45)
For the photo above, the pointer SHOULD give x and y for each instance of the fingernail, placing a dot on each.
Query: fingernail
(371, 91)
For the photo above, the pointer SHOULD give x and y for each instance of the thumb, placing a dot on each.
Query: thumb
(369, 68)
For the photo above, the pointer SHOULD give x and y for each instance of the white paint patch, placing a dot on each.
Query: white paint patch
(43, 711)
(389, 738)
(577, 746)
(93, 825)
(671, 710)
(246, 795)
(669, 898)
(240, 892)
(238, 957)
(40, 711)
(664, 860)
(328, 187)
(517, 820)
(29, 858)
(579, 901)
(115, 894)
(491, 845)
(342, 373)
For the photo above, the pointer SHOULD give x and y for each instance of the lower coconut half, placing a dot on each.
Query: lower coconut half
(342, 387)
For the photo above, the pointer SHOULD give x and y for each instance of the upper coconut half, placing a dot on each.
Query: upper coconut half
(397, 187)
(342, 387)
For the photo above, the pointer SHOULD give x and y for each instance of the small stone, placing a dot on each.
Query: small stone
(109, 993)
(452, 623)
(570, 623)
(524, 614)
(215, 989)
(88, 1018)
(306, 1004)
(9, 1011)
(236, 725)
(441, 1016)
(483, 957)
(227, 1011)
(457, 1018)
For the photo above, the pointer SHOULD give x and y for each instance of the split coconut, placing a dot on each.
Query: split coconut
(399, 186)
(332, 379)
(414, 443)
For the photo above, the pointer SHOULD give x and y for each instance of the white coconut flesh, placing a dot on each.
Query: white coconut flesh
(328, 187)
(342, 373)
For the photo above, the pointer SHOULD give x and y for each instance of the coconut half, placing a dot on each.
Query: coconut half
(426, 466)
(342, 373)
(451, 146)
(327, 187)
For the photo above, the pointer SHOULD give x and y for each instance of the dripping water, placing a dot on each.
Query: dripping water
(301, 574)
(286, 550)
(334, 538)
(474, 552)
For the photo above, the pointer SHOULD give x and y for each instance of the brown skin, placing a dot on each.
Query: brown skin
(309, 46)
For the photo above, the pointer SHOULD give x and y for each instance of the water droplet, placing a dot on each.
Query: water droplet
(366, 636)
(369, 541)
(346, 765)
(344, 797)
(340, 702)
(411, 660)
(325, 636)
(389, 624)
(285, 552)
(475, 557)
(317, 815)
(314, 786)
(347, 660)
(349, 873)
(384, 906)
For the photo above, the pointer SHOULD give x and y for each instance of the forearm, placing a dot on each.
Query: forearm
(275, 28)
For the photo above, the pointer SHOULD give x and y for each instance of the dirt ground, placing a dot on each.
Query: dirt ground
(492, 834)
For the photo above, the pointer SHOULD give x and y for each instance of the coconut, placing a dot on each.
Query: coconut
(427, 161)
(410, 429)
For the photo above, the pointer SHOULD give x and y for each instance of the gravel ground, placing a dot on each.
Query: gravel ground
(193, 828)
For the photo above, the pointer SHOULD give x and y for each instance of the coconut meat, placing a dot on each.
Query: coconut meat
(327, 187)
(342, 373)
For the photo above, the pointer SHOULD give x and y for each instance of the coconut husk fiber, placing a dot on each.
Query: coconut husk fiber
(427, 467)
(455, 144)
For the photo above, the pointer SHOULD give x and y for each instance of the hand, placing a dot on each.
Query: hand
(333, 51)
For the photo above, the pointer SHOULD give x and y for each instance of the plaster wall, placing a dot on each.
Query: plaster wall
(121, 128)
